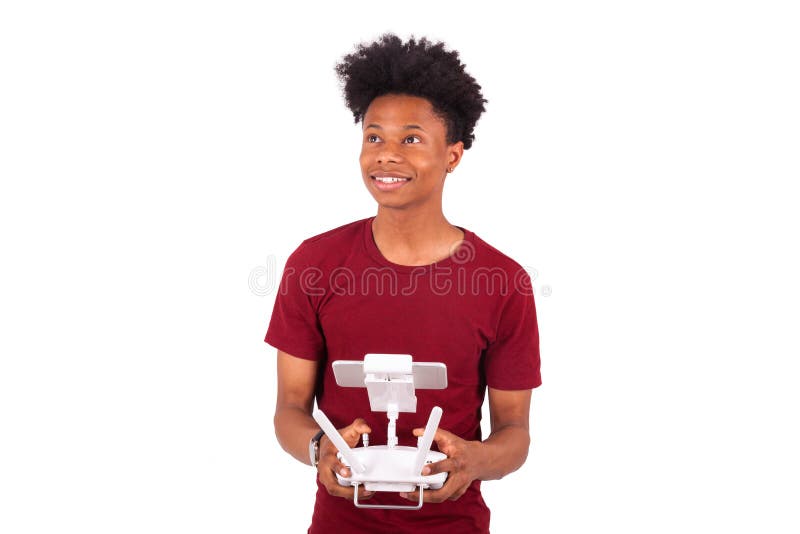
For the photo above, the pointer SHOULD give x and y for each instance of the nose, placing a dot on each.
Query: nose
(388, 153)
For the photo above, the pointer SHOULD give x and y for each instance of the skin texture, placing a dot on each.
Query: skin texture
(403, 136)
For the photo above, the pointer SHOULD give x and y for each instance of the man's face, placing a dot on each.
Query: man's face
(403, 138)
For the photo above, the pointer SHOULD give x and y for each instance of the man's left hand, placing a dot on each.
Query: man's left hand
(463, 465)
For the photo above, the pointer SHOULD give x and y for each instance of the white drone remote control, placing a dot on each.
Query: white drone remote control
(391, 380)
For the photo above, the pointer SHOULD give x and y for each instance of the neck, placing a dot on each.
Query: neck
(414, 238)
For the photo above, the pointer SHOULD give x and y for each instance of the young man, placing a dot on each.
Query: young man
(407, 281)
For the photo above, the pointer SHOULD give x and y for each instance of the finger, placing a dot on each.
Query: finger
(330, 462)
(346, 492)
(441, 432)
(443, 466)
(364, 494)
(431, 496)
(342, 469)
(453, 488)
(352, 433)
(327, 476)
(328, 479)
(443, 438)
(410, 495)
(360, 426)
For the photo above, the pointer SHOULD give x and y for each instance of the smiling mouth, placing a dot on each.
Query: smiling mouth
(388, 183)
(390, 179)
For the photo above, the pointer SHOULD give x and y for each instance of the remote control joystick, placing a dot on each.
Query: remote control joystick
(391, 381)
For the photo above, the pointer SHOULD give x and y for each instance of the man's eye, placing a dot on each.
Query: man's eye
(411, 139)
(372, 138)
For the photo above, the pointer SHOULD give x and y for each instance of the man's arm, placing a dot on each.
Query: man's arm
(506, 448)
(294, 426)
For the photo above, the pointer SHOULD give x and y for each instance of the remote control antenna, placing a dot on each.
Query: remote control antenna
(337, 439)
(427, 438)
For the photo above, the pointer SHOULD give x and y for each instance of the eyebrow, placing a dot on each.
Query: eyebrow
(406, 127)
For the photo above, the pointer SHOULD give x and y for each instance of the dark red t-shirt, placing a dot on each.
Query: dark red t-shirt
(474, 311)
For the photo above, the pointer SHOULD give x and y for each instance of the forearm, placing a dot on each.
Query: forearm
(504, 451)
(294, 428)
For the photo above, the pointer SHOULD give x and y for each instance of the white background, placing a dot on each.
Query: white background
(640, 157)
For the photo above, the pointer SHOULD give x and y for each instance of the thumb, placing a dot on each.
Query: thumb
(441, 437)
(353, 431)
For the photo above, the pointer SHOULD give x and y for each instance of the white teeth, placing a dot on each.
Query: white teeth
(390, 180)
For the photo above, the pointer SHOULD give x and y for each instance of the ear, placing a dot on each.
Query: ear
(454, 153)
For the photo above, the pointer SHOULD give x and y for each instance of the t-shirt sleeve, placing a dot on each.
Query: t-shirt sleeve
(294, 326)
(512, 360)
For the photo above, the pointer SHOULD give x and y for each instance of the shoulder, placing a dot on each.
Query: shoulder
(327, 245)
(489, 257)
(494, 274)
(345, 232)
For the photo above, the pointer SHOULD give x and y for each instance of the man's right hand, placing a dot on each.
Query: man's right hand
(329, 464)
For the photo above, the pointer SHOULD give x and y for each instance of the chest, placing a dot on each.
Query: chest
(450, 328)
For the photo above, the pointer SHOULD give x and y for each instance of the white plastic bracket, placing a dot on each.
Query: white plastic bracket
(387, 506)
(391, 430)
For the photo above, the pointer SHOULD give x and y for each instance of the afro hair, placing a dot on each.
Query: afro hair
(417, 68)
